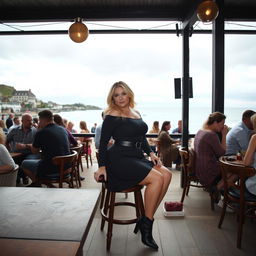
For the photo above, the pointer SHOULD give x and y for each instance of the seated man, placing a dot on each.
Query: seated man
(52, 139)
(239, 136)
(179, 128)
(19, 140)
(16, 123)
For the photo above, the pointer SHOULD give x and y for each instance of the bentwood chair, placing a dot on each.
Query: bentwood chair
(188, 158)
(237, 194)
(8, 178)
(86, 152)
(78, 149)
(65, 174)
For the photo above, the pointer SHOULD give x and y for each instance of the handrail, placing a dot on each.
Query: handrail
(148, 135)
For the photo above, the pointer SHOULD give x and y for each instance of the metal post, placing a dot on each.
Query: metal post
(218, 57)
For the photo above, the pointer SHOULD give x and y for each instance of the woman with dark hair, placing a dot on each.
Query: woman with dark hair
(59, 121)
(123, 164)
(167, 148)
(208, 148)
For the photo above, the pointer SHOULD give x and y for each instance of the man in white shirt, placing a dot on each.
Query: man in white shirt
(16, 123)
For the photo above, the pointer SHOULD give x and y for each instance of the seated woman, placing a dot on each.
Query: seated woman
(250, 158)
(152, 141)
(167, 148)
(123, 164)
(59, 121)
(6, 162)
(209, 148)
(87, 146)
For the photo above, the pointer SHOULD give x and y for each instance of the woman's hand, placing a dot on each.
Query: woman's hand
(224, 131)
(99, 172)
(156, 160)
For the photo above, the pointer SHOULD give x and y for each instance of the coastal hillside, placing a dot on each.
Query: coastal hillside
(6, 90)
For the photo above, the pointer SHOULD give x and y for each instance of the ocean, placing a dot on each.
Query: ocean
(197, 116)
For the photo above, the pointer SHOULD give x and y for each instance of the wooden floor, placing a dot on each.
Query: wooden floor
(196, 234)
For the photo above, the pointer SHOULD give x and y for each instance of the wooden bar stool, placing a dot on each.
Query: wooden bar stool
(107, 212)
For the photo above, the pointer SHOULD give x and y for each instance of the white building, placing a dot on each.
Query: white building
(24, 96)
(14, 106)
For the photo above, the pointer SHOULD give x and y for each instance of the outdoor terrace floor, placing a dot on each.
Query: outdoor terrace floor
(196, 234)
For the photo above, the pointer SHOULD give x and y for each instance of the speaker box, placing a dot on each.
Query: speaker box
(177, 88)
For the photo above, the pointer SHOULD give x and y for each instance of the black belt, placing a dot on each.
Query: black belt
(126, 143)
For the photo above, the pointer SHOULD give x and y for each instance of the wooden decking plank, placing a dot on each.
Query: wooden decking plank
(195, 235)
(201, 233)
(169, 243)
(136, 248)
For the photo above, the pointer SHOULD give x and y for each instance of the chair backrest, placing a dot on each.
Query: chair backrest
(192, 162)
(62, 161)
(242, 171)
(8, 178)
(188, 158)
(184, 157)
(77, 148)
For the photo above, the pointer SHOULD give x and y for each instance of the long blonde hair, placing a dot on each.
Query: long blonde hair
(110, 100)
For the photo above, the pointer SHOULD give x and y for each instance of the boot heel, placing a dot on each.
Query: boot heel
(136, 229)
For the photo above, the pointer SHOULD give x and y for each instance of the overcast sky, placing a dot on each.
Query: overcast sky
(57, 69)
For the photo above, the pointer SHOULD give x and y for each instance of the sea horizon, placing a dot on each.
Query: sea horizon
(197, 116)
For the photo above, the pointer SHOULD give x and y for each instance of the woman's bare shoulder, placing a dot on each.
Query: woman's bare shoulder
(253, 138)
(112, 113)
(136, 112)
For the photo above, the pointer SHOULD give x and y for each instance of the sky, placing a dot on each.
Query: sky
(57, 69)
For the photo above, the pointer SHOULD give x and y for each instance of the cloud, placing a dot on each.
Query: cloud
(57, 69)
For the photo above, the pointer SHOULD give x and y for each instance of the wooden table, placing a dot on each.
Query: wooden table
(37, 221)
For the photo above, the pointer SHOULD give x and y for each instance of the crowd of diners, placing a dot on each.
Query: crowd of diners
(215, 139)
(37, 140)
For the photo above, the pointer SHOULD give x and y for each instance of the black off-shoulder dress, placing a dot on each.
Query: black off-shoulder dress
(125, 166)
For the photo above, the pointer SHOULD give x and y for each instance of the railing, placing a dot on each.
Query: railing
(148, 135)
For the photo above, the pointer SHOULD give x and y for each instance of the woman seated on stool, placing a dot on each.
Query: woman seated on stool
(209, 148)
(6, 162)
(123, 164)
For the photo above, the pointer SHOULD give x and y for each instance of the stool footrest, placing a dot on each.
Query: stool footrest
(117, 221)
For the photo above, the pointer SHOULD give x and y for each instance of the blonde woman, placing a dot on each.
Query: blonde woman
(123, 164)
(152, 141)
(250, 158)
(6, 161)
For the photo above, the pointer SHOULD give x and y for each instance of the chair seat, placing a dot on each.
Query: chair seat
(247, 196)
(55, 176)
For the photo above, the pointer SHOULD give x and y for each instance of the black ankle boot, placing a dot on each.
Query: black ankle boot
(145, 225)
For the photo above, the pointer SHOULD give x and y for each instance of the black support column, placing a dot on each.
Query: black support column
(185, 86)
(218, 57)
(185, 94)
